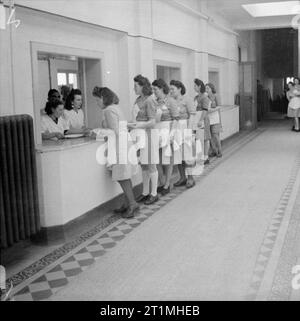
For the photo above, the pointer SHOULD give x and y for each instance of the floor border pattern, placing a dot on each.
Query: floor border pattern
(270, 236)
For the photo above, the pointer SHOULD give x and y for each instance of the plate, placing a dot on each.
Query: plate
(74, 135)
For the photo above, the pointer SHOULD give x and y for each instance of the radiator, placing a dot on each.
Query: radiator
(19, 210)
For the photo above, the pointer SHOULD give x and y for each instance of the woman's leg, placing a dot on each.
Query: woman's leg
(160, 169)
(297, 123)
(206, 150)
(127, 188)
(181, 170)
(218, 144)
(146, 183)
(153, 175)
(169, 172)
(153, 179)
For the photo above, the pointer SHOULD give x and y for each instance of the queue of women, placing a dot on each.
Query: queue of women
(163, 112)
(293, 96)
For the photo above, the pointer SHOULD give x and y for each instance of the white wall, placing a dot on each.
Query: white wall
(146, 30)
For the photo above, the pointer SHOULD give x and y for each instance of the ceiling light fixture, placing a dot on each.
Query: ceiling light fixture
(271, 9)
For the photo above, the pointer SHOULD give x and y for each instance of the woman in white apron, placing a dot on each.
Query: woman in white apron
(108, 101)
(294, 105)
(145, 114)
(215, 121)
(73, 112)
(202, 105)
(167, 113)
(183, 152)
(53, 125)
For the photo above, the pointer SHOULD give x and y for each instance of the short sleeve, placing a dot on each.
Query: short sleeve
(150, 108)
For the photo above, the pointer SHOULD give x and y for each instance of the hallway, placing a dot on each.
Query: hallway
(237, 240)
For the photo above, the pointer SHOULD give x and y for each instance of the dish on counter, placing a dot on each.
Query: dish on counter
(74, 136)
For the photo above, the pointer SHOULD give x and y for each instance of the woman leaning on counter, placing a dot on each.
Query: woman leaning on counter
(108, 101)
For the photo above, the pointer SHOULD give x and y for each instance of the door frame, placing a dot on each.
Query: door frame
(251, 94)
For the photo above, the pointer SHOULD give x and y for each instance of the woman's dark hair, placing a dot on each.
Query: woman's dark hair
(178, 84)
(65, 92)
(161, 84)
(212, 87)
(145, 83)
(200, 84)
(71, 97)
(51, 92)
(108, 96)
(297, 79)
(52, 104)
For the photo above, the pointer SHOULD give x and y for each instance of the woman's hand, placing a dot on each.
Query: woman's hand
(201, 124)
(131, 126)
(59, 135)
(92, 135)
(86, 131)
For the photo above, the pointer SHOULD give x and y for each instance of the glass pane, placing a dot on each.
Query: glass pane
(73, 80)
(61, 79)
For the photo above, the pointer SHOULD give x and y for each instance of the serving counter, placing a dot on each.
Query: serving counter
(71, 182)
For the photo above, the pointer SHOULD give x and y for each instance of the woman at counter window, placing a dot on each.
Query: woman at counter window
(202, 105)
(187, 112)
(73, 113)
(53, 125)
(145, 119)
(108, 101)
(167, 113)
(215, 121)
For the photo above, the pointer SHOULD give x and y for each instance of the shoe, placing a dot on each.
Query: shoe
(165, 191)
(142, 198)
(121, 210)
(151, 200)
(131, 211)
(190, 185)
(219, 155)
(213, 155)
(159, 189)
(206, 162)
(180, 183)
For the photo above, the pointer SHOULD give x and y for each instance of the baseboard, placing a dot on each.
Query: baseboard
(59, 233)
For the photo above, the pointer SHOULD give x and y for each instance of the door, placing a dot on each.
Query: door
(248, 96)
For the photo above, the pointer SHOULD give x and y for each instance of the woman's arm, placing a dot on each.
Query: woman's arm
(47, 135)
(151, 114)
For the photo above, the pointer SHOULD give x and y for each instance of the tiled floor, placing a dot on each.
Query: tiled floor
(62, 266)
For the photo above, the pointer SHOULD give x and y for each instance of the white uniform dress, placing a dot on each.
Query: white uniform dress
(48, 125)
(74, 119)
(149, 152)
(294, 105)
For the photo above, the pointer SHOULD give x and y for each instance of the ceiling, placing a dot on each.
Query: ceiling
(240, 19)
